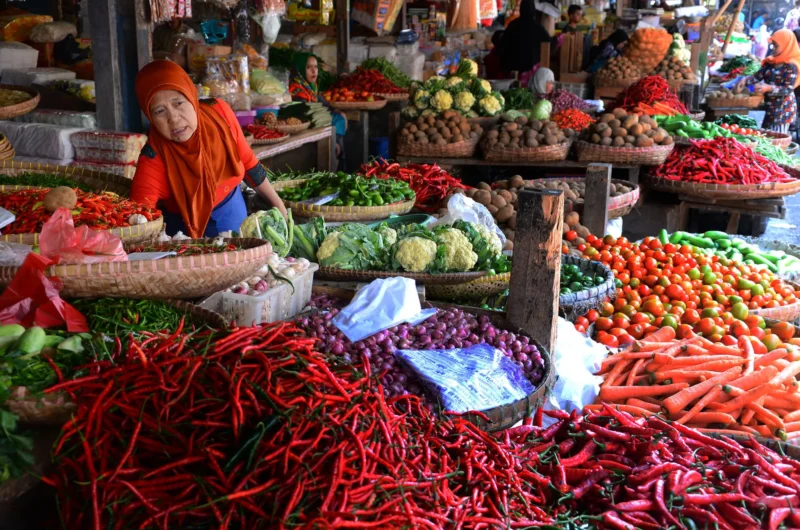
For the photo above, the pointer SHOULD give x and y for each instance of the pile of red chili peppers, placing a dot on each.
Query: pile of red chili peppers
(371, 81)
(648, 90)
(720, 161)
(195, 249)
(253, 429)
(572, 119)
(262, 132)
(100, 211)
(430, 182)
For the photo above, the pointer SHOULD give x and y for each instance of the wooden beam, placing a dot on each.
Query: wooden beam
(721, 11)
(730, 29)
(342, 35)
(544, 55)
(535, 277)
(144, 30)
(595, 202)
(105, 55)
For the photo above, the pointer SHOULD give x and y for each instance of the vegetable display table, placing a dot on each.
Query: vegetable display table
(324, 138)
(678, 218)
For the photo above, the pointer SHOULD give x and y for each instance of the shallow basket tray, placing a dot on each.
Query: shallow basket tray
(133, 234)
(698, 116)
(587, 299)
(359, 105)
(344, 275)
(506, 416)
(464, 149)
(645, 156)
(393, 97)
(12, 111)
(472, 290)
(787, 313)
(616, 83)
(735, 103)
(293, 129)
(778, 139)
(547, 153)
(272, 141)
(184, 277)
(618, 206)
(349, 213)
(727, 191)
(791, 149)
(97, 180)
(283, 184)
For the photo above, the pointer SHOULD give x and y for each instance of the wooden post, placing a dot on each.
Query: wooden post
(595, 202)
(713, 18)
(544, 55)
(535, 278)
(144, 30)
(730, 29)
(342, 35)
(394, 128)
(107, 61)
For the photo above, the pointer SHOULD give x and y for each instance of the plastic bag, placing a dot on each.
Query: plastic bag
(379, 306)
(63, 243)
(462, 207)
(464, 379)
(263, 82)
(31, 299)
(577, 359)
(761, 44)
(13, 254)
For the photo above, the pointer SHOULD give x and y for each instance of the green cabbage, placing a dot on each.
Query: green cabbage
(541, 110)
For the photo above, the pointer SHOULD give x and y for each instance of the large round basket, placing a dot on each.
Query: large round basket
(582, 301)
(778, 139)
(791, 149)
(505, 416)
(465, 149)
(470, 291)
(349, 213)
(726, 191)
(698, 116)
(645, 156)
(97, 180)
(292, 129)
(735, 103)
(378, 104)
(12, 111)
(788, 248)
(484, 121)
(344, 275)
(394, 97)
(272, 141)
(618, 206)
(616, 83)
(787, 313)
(548, 153)
(183, 277)
(283, 184)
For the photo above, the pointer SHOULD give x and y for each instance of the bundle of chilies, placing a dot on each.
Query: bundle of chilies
(720, 161)
(572, 119)
(650, 95)
(262, 132)
(252, 428)
(371, 81)
(431, 183)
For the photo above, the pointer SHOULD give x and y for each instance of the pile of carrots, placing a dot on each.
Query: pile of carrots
(739, 389)
(655, 109)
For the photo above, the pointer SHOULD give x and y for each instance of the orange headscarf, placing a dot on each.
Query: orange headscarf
(196, 167)
(790, 51)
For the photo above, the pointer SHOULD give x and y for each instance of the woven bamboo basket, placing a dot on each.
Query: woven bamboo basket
(283, 184)
(505, 416)
(726, 191)
(472, 290)
(781, 140)
(346, 275)
(582, 301)
(548, 153)
(99, 181)
(465, 149)
(393, 97)
(791, 149)
(378, 104)
(735, 103)
(169, 278)
(128, 234)
(272, 141)
(787, 313)
(293, 129)
(349, 213)
(698, 116)
(645, 156)
(485, 121)
(617, 83)
(618, 206)
(12, 111)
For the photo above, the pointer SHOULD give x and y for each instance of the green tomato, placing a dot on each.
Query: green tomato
(739, 310)
(694, 274)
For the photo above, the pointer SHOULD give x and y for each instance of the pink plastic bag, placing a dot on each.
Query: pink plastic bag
(61, 242)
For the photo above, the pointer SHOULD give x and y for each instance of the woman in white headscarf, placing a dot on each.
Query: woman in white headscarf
(542, 82)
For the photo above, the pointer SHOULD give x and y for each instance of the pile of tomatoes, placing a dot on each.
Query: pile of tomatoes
(672, 285)
(346, 95)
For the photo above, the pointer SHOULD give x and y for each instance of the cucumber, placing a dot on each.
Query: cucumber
(723, 244)
(771, 258)
(11, 330)
(51, 341)
(72, 344)
(716, 234)
(32, 341)
(676, 237)
(697, 241)
(663, 237)
(761, 260)
(739, 243)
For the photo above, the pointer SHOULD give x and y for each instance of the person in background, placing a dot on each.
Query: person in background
(303, 87)
(611, 47)
(520, 47)
(492, 62)
(791, 21)
(574, 17)
(542, 83)
(777, 79)
(195, 157)
(760, 20)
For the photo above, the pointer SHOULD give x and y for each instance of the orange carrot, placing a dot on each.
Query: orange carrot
(718, 366)
(700, 405)
(618, 393)
(788, 373)
(765, 416)
(718, 347)
(699, 359)
(791, 427)
(706, 418)
(768, 358)
(634, 372)
(641, 346)
(664, 334)
(636, 411)
(678, 402)
(616, 371)
(635, 402)
(792, 417)
(750, 395)
(685, 375)
(751, 380)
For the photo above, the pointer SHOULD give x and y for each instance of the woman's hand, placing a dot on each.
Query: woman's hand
(763, 88)
(270, 196)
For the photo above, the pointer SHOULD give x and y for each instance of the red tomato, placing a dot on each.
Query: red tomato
(609, 340)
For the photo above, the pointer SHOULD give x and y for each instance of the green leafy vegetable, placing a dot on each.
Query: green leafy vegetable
(353, 246)
(43, 180)
(16, 456)
(272, 226)
(389, 71)
(519, 99)
(307, 239)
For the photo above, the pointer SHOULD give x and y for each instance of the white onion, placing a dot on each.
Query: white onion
(163, 237)
(180, 236)
(137, 219)
(289, 273)
(253, 281)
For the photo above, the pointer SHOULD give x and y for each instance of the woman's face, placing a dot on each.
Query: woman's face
(549, 86)
(173, 115)
(312, 70)
(776, 48)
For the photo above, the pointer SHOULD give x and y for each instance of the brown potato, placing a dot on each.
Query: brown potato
(572, 219)
(483, 197)
(498, 200)
(484, 186)
(504, 213)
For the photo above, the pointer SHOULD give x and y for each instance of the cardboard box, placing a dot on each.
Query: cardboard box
(196, 54)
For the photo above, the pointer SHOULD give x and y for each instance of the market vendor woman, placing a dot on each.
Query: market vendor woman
(195, 158)
(777, 79)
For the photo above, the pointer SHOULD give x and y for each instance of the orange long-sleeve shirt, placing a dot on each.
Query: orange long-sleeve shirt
(150, 185)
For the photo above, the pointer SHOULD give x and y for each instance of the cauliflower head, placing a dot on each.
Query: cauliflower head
(411, 111)
(454, 84)
(491, 238)
(481, 87)
(427, 112)
(442, 101)
(489, 106)
(389, 235)
(499, 97)
(473, 66)
(464, 101)
(421, 98)
(434, 78)
(414, 254)
(328, 246)
(458, 253)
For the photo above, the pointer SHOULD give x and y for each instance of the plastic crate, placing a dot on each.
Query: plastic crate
(276, 304)
(579, 89)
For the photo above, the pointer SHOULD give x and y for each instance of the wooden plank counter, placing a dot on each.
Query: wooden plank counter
(324, 138)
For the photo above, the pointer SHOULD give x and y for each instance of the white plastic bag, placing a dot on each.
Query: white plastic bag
(379, 306)
(462, 207)
(13, 254)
